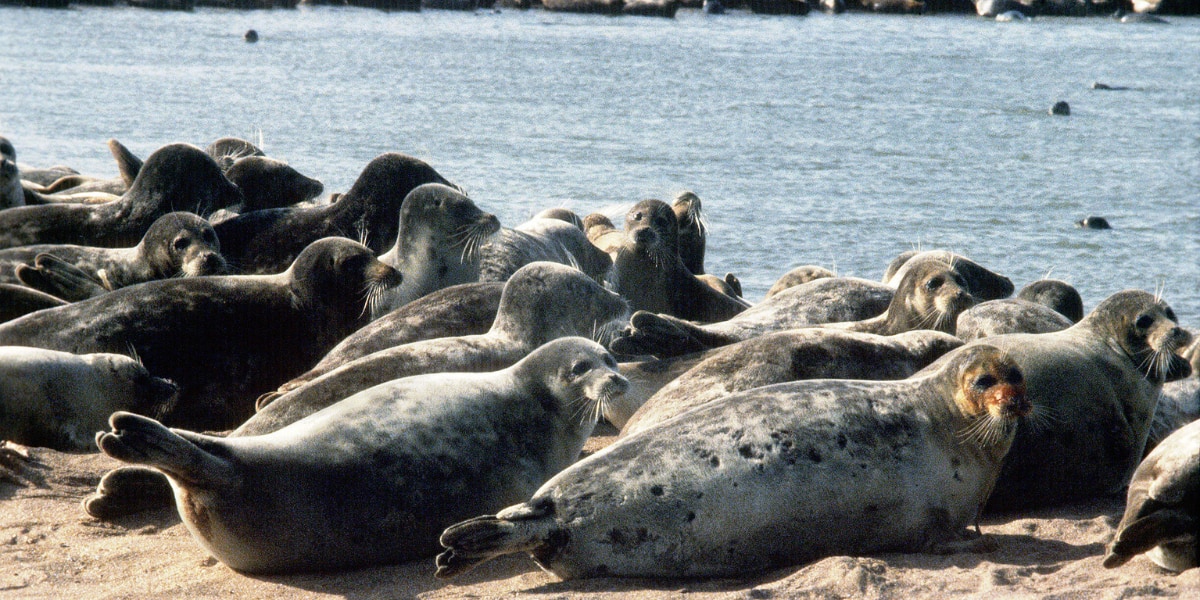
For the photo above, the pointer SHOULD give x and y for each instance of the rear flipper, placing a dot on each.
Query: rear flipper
(129, 490)
(520, 528)
(662, 336)
(1159, 527)
(182, 455)
(57, 277)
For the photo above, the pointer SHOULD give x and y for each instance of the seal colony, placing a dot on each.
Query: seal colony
(430, 384)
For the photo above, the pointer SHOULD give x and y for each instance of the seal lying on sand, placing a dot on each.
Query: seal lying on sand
(223, 339)
(770, 477)
(814, 353)
(375, 478)
(178, 243)
(175, 177)
(1093, 387)
(1162, 512)
(267, 241)
(59, 400)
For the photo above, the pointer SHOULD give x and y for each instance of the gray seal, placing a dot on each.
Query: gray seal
(59, 400)
(224, 339)
(375, 478)
(540, 239)
(176, 244)
(438, 243)
(693, 231)
(771, 477)
(1162, 508)
(270, 183)
(785, 356)
(797, 276)
(175, 177)
(983, 283)
(1058, 295)
(1010, 315)
(1094, 388)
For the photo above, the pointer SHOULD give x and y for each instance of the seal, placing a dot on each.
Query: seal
(12, 194)
(458, 310)
(269, 183)
(267, 241)
(405, 460)
(602, 233)
(228, 150)
(223, 339)
(1093, 387)
(1162, 509)
(177, 243)
(562, 214)
(785, 356)
(1093, 223)
(829, 300)
(540, 239)
(59, 400)
(175, 177)
(693, 231)
(1059, 295)
(438, 244)
(649, 273)
(543, 301)
(983, 283)
(797, 276)
(769, 477)
(1179, 402)
(1009, 315)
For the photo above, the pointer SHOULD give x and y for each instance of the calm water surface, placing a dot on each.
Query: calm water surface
(838, 141)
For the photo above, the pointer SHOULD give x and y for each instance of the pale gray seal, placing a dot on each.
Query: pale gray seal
(1093, 387)
(224, 339)
(1008, 315)
(375, 478)
(540, 239)
(648, 272)
(1162, 510)
(438, 243)
(60, 400)
(983, 283)
(176, 244)
(175, 177)
(771, 477)
(814, 353)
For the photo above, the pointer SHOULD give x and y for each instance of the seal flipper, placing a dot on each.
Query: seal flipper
(60, 278)
(127, 490)
(1159, 527)
(664, 336)
(128, 164)
(521, 528)
(182, 455)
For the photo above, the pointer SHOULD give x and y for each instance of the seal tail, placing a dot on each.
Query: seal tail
(183, 455)
(521, 528)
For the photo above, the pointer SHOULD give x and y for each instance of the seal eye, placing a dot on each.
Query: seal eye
(180, 244)
(1014, 375)
(934, 283)
(1170, 314)
(1144, 322)
(984, 381)
(580, 368)
(210, 237)
(610, 361)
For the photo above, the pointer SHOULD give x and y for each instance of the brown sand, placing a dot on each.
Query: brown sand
(52, 549)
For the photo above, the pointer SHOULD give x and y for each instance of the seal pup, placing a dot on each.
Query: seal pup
(1009, 315)
(983, 283)
(267, 241)
(543, 301)
(790, 356)
(1059, 295)
(175, 177)
(648, 272)
(693, 231)
(464, 309)
(224, 339)
(1094, 387)
(12, 194)
(540, 239)
(797, 276)
(440, 236)
(828, 300)
(177, 243)
(1162, 509)
(60, 400)
(770, 477)
(395, 464)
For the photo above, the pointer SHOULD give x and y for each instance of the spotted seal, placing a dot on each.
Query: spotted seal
(769, 477)
(404, 460)
(175, 177)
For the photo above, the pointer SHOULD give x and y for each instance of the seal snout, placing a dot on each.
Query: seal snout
(643, 236)
(8, 168)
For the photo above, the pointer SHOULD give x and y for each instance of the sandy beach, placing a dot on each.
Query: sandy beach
(52, 549)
